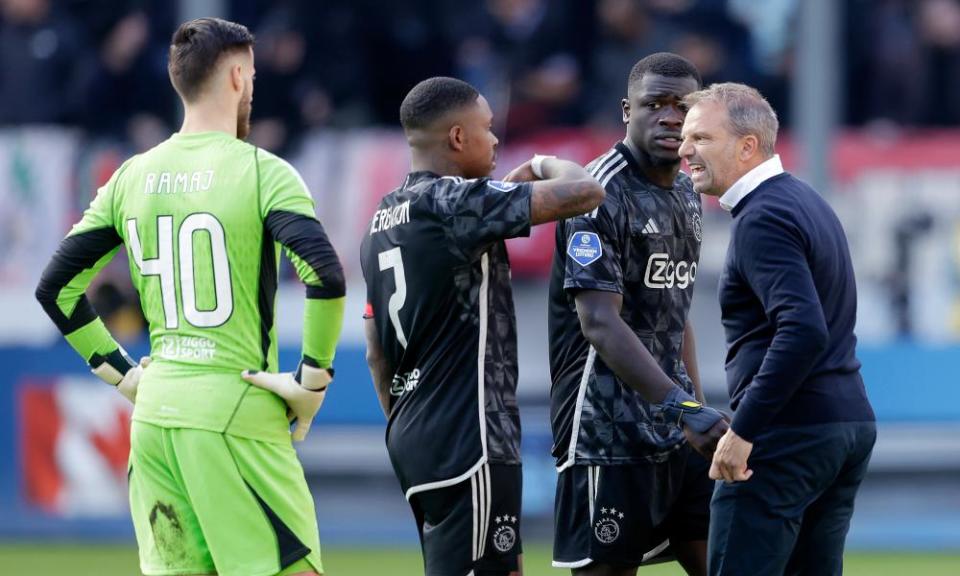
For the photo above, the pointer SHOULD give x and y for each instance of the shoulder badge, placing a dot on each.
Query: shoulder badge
(585, 248)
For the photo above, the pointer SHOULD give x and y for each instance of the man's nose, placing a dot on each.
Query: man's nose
(672, 118)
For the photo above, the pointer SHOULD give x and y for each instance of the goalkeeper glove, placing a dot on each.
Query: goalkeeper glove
(303, 392)
(118, 369)
(686, 411)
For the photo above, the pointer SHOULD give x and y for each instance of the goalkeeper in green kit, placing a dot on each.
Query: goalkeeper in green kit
(215, 484)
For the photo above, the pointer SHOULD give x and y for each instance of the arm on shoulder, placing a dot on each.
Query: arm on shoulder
(566, 190)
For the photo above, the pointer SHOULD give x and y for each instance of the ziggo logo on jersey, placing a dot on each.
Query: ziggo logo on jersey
(405, 383)
(662, 272)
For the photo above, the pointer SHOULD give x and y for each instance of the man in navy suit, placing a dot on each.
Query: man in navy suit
(803, 429)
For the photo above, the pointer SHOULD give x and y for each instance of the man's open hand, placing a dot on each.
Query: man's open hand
(303, 403)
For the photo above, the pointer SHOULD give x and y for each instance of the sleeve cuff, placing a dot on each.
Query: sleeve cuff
(112, 367)
(322, 322)
(745, 424)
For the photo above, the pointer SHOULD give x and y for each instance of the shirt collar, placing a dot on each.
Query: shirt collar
(749, 182)
(418, 176)
(624, 151)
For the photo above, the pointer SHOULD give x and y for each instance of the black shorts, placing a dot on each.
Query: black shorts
(626, 515)
(471, 525)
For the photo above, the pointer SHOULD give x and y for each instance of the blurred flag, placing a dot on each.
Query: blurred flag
(74, 438)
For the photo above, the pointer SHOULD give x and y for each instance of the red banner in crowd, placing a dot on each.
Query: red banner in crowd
(74, 440)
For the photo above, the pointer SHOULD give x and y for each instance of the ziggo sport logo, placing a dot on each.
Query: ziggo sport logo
(662, 272)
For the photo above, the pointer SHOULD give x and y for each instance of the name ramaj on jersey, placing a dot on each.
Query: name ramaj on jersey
(177, 182)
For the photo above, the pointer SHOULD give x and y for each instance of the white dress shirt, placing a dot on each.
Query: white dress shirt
(749, 182)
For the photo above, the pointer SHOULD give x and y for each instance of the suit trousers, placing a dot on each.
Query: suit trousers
(792, 516)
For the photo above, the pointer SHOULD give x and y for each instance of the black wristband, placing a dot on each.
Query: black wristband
(116, 359)
(308, 361)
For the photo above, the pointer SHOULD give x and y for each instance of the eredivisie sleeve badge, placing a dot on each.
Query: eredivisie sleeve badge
(585, 248)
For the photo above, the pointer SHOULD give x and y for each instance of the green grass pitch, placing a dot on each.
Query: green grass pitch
(98, 560)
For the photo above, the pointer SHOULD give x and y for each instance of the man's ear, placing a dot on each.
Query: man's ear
(749, 146)
(236, 77)
(455, 137)
(625, 106)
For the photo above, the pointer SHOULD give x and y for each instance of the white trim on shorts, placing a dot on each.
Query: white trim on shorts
(593, 488)
(578, 411)
(481, 390)
(480, 491)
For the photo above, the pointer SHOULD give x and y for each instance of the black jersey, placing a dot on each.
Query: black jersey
(438, 287)
(644, 243)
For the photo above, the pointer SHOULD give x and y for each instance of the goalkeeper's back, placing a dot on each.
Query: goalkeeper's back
(202, 217)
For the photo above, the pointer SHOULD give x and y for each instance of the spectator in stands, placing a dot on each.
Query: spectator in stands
(884, 63)
(308, 59)
(903, 62)
(403, 43)
(716, 38)
(46, 67)
(536, 49)
(626, 33)
(938, 24)
(132, 40)
(769, 24)
(336, 90)
(281, 52)
(348, 64)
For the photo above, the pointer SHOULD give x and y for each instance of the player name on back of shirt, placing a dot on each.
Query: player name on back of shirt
(177, 182)
(387, 218)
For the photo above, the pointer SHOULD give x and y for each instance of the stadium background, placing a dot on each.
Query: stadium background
(868, 92)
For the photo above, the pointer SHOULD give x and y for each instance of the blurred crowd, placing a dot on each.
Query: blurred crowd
(101, 64)
(903, 62)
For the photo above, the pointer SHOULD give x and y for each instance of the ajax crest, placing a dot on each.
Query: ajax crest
(606, 528)
(505, 535)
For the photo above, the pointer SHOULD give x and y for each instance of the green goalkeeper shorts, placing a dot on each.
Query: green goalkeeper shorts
(204, 503)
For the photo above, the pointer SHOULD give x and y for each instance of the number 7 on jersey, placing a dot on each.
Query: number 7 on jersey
(392, 259)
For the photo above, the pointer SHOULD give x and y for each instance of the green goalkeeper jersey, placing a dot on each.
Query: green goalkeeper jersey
(202, 217)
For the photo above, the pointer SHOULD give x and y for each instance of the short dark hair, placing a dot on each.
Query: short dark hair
(664, 64)
(432, 98)
(196, 48)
